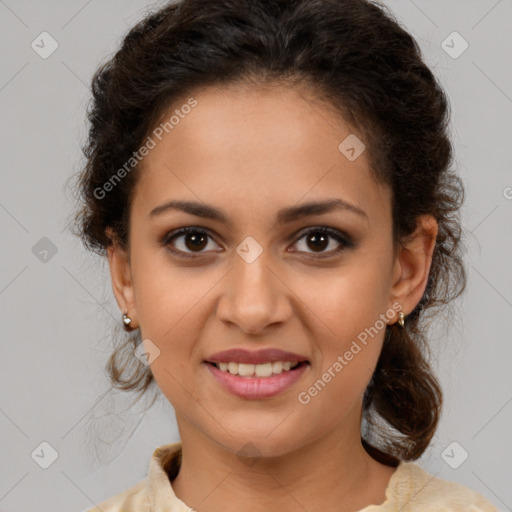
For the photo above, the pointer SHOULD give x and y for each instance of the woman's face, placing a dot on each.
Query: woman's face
(259, 276)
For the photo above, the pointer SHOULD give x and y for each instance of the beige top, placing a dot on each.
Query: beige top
(410, 489)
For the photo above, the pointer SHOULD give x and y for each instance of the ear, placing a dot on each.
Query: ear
(412, 265)
(121, 276)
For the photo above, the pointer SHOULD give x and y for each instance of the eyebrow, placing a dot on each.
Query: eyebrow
(285, 215)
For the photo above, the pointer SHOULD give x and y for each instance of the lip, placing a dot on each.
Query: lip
(257, 387)
(266, 355)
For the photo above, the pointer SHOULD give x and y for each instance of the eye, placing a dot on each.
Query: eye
(194, 240)
(318, 238)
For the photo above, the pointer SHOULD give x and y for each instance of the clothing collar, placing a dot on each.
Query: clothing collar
(166, 460)
(164, 465)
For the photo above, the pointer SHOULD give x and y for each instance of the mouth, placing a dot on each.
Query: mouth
(256, 381)
(261, 370)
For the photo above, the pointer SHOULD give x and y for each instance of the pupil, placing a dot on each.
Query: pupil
(198, 241)
(319, 238)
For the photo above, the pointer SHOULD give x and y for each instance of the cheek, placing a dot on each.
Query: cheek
(347, 299)
(345, 365)
(168, 297)
(172, 308)
(348, 326)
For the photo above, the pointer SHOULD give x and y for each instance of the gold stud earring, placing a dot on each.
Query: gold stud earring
(126, 319)
(401, 318)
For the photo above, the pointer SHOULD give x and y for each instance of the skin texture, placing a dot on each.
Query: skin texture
(250, 153)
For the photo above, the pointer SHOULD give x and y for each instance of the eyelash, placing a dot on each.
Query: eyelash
(343, 239)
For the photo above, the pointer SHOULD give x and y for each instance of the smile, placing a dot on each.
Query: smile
(256, 370)
(253, 381)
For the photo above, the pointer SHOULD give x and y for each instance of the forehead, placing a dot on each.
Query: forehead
(249, 148)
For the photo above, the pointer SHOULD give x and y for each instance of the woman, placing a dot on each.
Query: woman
(270, 182)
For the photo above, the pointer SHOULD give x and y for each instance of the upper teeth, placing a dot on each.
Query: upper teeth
(260, 370)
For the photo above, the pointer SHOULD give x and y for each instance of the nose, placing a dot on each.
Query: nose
(255, 295)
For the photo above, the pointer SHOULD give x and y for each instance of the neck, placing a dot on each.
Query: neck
(330, 473)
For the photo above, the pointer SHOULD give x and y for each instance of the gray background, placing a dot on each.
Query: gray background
(57, 314)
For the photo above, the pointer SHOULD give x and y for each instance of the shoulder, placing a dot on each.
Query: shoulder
(133, 499)
(417, 490)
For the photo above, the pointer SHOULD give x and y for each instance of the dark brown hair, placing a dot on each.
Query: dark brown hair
(355, 55)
